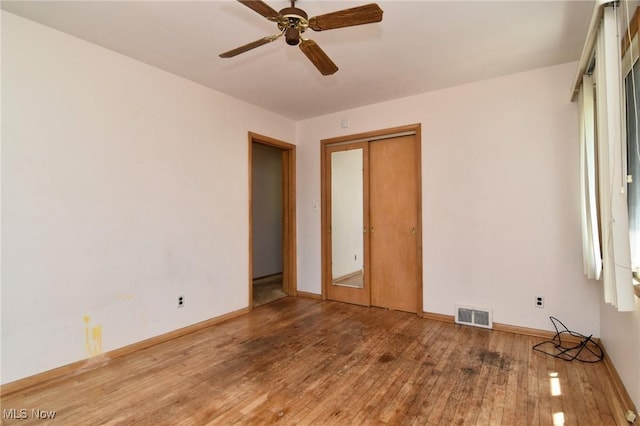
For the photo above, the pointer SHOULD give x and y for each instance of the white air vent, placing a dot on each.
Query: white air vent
(476, 317)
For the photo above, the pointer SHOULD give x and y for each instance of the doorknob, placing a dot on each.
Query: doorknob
(373, 229)
(413, 230)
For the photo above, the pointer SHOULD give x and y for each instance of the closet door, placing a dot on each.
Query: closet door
(347, 219)
(394, 221)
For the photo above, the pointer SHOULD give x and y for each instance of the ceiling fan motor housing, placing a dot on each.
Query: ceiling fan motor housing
(294, 21)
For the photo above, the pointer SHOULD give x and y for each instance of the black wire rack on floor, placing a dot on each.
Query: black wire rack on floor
(587, 350)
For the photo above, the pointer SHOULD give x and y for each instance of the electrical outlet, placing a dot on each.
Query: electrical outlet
(180, 301)
(539, 301)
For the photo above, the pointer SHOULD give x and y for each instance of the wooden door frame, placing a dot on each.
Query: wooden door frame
(289, 249)
(372, 135)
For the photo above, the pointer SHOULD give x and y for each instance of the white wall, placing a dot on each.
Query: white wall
(500, 218)
(123, 187)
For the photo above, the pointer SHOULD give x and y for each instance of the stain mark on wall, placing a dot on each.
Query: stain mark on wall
(125, 296)
(92, 337)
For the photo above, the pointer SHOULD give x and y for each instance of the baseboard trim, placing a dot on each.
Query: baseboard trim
(103, 359)
(439, 317)
(308, 295)
(618, 385)
(526, 331)
(259, 280)
(534, 332)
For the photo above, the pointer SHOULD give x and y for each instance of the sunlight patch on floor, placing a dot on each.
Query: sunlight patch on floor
(555, 384)
(558, 418)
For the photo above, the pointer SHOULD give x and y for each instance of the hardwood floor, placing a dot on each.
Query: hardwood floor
(267, 289)
(302, 361)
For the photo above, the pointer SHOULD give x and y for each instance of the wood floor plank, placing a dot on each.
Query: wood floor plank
(420, 404)
(521, 357)
(502, 364)
(397, 407)
(436, 385)
(532, 389)
(544, 405)
(510, 412)
(469, 412)
(488, 395)
(466, 392)
(307, 362)
(401, 367)
(552, 387)
(573, 415)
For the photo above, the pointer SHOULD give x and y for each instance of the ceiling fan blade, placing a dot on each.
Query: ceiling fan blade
(262, 8)
(316, 55)
(366, 14)
(249, 46)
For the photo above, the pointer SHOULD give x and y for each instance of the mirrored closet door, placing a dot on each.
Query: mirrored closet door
(347, 185)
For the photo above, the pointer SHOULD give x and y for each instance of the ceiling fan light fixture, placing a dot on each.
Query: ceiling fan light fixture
(292, 36)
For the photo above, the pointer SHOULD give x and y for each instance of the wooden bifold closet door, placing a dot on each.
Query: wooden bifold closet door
(390, 225)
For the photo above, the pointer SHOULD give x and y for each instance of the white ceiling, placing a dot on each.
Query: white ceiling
(419, 46)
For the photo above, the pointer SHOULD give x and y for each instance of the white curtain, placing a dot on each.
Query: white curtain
(591, 255)
(614, 222)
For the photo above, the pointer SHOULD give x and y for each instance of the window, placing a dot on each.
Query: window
(598, 84)
(631, 69)
(632, 90)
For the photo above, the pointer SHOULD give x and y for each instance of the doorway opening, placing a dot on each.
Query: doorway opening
(272, 238)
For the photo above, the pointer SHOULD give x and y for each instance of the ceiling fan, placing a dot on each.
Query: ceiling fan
(292, 22)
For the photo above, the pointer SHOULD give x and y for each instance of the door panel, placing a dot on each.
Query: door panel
(393, 198)
(347, 207)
